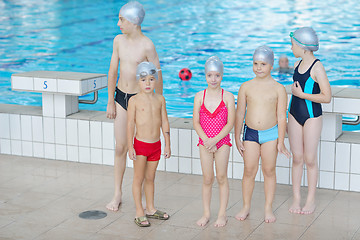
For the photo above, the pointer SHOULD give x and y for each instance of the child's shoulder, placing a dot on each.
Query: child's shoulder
(228, 94)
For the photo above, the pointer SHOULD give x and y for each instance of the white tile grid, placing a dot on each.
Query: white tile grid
(45, 84)
(60, 152)
(60, 131)
(161, 165)
(184, 144)
(326, 180)
(174, 141)
(84, 154)
(5, 146)
(236, 155)
(83, 87)
(355, 158)
(68, 86)
(95, 134)
(84, 133)
(195, 148)
(327, 156)
(282, 160)
(282, 175)
(104, 81)
(37, 129)
(259, 176)
(68, 105)
(4, 125)
(49, 150)
(48, 107)
(72, 153)
(108, 139)
(331, 124)
(22, 83)
(38, 149)
(172, 164)
(129, 162)
(342, 157)
(108, 157)
(196, 166)
(49, 130)
(96, 155)
(328, 107)
(74, 104)
(60, 106)
(15, 127)
(238, 170)
(94, 84)
(342, 181)
(16, 147)
(355, 182)
(184, 165)
(230, 170)
(27, 148)
(347, 105)
(72, 132)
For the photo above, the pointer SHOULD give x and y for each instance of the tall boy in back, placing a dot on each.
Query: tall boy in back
(129, 48)
(146, 113)
(264, 102)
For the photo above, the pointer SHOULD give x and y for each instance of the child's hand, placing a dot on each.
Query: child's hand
(282, 149)
(296, 89)
(240, 147)
(167, 152)
(111, 110)
(213, 149)
(209, 143)
(132, 153)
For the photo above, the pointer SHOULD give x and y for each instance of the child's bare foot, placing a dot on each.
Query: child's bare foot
(243, 214)
(221, 221)
(309, 208)
(269, 216)
(114, 204)
(203, 221)
(295, 207)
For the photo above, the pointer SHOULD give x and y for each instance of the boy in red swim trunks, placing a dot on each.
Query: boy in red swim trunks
(146, 113)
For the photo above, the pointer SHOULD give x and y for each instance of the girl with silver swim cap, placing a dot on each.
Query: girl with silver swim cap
(214, 64)
(264, 54)
(311, 87)
(133, 12)
(306, 38)
(146, 68)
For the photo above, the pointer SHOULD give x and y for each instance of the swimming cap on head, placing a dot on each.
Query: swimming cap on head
(133, 12)
(306, 38)
(264, 54)
(214, 64)
(146, 68)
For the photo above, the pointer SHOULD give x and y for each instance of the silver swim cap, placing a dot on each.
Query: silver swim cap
(306, 38)
(133, 12)
(264, 54)
(146, 68)
(214, 64)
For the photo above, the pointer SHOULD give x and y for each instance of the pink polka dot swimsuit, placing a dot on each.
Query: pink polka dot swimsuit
(213, 123)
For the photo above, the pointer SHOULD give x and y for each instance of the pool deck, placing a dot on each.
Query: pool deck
(41, 199)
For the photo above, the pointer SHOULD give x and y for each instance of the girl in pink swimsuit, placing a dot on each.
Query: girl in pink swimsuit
(213, 118)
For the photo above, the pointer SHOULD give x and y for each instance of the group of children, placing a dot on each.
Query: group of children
(140, 113)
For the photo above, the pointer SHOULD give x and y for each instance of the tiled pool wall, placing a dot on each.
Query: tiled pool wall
(88, 137)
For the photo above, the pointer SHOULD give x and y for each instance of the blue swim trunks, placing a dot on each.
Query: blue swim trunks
(260, 136)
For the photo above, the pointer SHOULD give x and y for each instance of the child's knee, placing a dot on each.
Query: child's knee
(269, 172)
(298, 158)
(250, 171)
(310, 161)
(120, 149)
(208, 180)
(221, 178)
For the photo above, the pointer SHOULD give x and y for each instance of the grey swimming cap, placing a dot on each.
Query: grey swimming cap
(133, 12)
(214, 64)
(306, 38)
(264, 54)
(146, 68)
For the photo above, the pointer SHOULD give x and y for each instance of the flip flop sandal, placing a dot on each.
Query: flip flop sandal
(140, 221)
(158, 215)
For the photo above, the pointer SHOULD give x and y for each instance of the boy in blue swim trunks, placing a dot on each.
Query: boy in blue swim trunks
(264, 101)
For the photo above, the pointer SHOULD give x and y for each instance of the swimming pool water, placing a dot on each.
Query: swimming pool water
(77, 36)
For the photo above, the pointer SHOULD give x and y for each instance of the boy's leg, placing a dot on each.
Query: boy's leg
(251, 165)
(312, 132)
(138, 178)
(207, 167)
(295, 133)
(221, 164)
(120, 126)
(268, 164)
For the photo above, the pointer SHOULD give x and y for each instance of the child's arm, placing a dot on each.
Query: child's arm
(131, 128)
(281, 118)
(229, 98)
(153, 57)
(196, 116)
(112, 76)
(239, 118)
(165, 128)
(325, 90)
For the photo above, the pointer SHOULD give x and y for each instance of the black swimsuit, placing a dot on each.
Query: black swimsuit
(123, 98)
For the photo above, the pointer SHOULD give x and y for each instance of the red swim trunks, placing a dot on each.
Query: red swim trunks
(150, 150)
